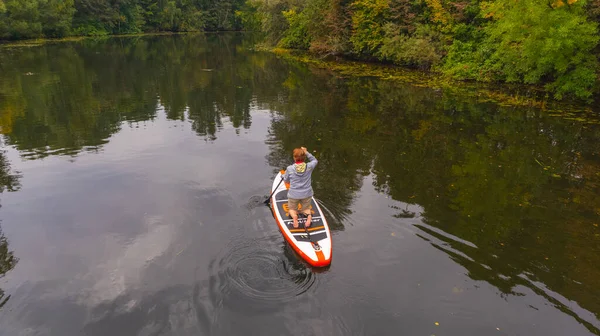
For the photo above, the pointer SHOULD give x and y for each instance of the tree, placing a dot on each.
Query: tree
(56, 17)
(21, 19)
(533, 40)
(530, 42)
(368, 19)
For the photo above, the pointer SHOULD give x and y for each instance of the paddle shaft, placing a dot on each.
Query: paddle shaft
(269, 198)
(307, 233)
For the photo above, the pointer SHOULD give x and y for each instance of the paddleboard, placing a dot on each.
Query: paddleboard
(313, 244)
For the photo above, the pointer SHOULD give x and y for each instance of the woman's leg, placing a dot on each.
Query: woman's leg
(307, 211)
(292, 208)
(294, 215)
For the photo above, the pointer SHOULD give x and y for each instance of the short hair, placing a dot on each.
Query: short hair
(299, 154)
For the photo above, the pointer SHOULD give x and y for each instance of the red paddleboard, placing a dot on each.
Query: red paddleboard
(313, 244)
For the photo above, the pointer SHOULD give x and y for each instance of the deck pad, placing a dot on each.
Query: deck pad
(316, 230)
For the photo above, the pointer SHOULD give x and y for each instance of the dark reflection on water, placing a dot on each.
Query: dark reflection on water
(9, 181)
(145, 161)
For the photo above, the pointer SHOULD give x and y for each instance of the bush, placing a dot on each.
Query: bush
(422, 50)
(531, 42)
(368, 19)
(296, 36)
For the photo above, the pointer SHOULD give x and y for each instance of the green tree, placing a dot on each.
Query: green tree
(531, 42)
(296, 36)
(56, 17)
(248, 16)
(422, 49)
(21, 19)
(368, 19)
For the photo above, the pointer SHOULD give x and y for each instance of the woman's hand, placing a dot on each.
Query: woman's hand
(304, 149)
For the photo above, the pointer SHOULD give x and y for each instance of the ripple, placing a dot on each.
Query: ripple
(337, 215)
(255, 202)
(258, 274)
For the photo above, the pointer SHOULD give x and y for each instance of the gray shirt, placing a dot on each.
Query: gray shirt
(299, 177)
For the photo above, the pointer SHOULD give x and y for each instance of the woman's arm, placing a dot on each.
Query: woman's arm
(312, 160)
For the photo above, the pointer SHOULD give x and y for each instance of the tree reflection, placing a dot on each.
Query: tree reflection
(61, 99)
(9, 181)
(520, 185)
(7, 263)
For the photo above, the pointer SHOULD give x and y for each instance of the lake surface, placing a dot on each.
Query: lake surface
(133, 171)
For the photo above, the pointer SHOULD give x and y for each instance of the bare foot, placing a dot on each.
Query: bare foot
(308, 221)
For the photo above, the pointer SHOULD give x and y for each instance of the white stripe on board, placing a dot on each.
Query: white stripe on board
(304, 233)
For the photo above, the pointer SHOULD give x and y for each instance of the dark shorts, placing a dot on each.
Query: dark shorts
(304, 205)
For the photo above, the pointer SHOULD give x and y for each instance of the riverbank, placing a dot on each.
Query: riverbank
(40, 41)
(501, 93)
(504, 94)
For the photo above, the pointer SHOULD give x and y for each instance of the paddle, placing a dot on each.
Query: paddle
(269, 198)
(315, 244)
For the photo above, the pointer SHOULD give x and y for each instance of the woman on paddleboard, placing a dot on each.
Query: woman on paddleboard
(299, 176)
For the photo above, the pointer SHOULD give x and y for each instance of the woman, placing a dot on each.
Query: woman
(299, 176)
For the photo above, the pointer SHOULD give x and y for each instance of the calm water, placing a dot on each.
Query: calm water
(133, 170)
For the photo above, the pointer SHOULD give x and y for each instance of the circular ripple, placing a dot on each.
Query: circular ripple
(258, 274)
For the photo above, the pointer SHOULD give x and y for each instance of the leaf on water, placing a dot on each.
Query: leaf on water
(437, 324)
(393, 234)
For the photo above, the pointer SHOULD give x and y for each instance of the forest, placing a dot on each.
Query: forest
(551, 43)
(26, 19)
(547, 42)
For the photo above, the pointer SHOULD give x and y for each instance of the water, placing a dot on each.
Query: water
(133, 171)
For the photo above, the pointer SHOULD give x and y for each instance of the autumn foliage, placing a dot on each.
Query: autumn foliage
(547, 42)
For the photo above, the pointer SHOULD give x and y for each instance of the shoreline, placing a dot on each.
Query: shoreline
(504, 94)
(41, 41)
(44, 40)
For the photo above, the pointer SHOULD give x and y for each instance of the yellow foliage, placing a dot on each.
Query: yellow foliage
(560, 3)
(440, 15)
(289, 13)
